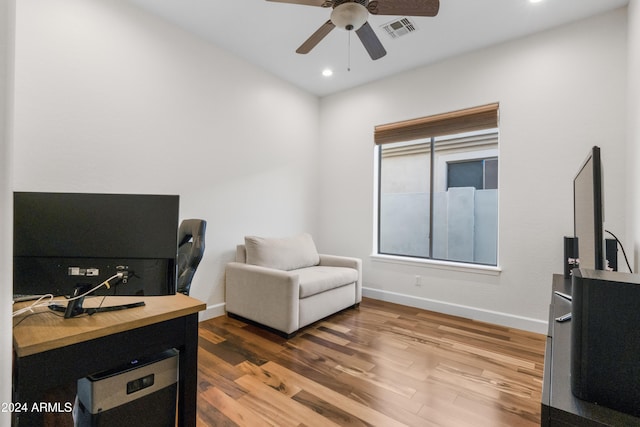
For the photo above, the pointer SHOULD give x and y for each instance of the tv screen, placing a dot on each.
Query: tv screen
(61, 240)
(588, 214)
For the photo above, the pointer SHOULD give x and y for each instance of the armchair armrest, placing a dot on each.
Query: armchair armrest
(343, 261)
(340, 261)
(264, 295)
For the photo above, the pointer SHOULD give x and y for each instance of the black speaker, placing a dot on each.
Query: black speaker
(611, 253)
(570, 255)
(605, 339)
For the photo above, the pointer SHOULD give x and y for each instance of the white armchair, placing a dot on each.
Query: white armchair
(284, 284)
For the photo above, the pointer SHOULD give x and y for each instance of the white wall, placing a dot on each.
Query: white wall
(560, 92)
(633, 138)
(6, 218)
(112, 99)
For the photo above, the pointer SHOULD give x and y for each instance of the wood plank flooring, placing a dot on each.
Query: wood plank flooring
(381, 364)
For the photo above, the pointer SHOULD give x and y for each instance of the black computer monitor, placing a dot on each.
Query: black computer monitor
(588, 212)
(62, 240)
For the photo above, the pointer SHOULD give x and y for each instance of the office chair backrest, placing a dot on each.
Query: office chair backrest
(190, 251)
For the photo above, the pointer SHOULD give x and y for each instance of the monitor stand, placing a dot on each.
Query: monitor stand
(74, 308)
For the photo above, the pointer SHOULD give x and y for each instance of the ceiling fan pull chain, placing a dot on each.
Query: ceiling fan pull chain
(349, 51)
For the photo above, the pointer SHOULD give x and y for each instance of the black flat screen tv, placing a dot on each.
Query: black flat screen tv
(64, 240)
(588, 212)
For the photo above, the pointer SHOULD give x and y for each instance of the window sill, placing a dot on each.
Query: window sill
(441, 265)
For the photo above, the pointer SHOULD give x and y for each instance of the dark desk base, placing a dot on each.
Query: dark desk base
(35, 374)
(559, 406)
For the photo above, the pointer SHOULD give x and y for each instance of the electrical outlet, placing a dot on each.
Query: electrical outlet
(418, 280)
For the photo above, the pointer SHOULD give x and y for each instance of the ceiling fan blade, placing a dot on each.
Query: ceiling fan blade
(322, 3)
(404, 7)
(371, 42)
(316, 37)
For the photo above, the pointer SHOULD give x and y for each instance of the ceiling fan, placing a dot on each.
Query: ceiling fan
(352, 15)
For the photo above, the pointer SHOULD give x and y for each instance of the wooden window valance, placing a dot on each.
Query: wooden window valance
(467, 120)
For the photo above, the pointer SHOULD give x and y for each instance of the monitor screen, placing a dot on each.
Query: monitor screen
(61, 240)
(588, 212)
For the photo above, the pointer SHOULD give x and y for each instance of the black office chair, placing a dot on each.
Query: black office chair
(190, 251)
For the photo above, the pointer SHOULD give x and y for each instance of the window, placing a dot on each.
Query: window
(481, 174)
(438, 196)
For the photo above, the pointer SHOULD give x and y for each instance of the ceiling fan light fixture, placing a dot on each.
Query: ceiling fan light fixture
(349, 16)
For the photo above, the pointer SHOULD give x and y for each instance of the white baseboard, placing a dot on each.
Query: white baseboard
(495, 317)
(212, 311)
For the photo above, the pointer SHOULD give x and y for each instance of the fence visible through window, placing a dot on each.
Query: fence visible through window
(438, 198)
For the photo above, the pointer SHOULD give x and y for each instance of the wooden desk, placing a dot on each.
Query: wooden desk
(51, 351)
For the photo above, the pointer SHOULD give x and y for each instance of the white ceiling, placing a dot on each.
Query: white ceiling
(268, 33)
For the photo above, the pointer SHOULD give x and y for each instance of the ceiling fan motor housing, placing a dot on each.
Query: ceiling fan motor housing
(349, 15)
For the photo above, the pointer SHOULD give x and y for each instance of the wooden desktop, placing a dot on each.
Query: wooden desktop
(51, 351)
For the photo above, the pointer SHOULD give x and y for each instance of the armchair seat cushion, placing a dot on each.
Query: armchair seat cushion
(317, 279)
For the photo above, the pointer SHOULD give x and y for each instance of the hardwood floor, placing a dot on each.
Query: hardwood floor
(380, 364)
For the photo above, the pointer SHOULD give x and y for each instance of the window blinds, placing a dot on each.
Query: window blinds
(467, 120)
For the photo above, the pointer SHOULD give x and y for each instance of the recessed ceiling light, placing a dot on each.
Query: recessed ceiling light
(535, 1)
(327, 72)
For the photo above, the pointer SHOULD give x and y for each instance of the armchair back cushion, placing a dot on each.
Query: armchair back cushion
(287, 253)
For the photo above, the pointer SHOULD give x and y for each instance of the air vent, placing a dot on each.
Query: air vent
(400, 27)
